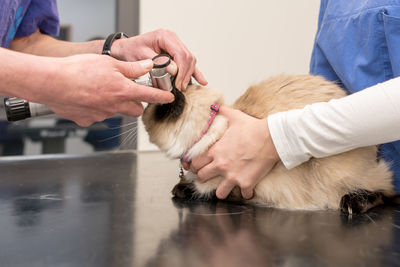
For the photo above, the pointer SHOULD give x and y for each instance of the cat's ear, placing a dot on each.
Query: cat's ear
(173, 110)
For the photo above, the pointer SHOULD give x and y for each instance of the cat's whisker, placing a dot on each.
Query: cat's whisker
(131, 141)
(118, 135)
(131, 138)
(134, 123)
(132, 134)
(127, 136)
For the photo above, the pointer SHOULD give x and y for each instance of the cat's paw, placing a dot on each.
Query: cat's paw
(183, 190)
(360, 201)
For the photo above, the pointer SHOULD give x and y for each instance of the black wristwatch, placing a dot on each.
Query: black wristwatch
(109, 41)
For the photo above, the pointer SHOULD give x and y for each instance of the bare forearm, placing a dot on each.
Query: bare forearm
(43, 45)
(24, 75)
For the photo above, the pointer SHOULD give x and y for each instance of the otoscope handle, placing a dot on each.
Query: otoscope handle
(39, 109)
(20, 109)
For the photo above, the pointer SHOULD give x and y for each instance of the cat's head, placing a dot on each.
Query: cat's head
(176, 126)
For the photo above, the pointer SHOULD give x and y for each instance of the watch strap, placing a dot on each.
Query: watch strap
(109, 41)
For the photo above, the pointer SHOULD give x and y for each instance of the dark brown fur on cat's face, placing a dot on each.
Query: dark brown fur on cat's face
(170, 111)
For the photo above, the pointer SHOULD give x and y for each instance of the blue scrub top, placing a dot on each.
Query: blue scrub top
(358, 45)
(20, 18)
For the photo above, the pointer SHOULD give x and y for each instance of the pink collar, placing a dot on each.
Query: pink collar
(214, 111)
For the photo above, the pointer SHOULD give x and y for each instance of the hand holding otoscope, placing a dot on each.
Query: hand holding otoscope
(18, 109)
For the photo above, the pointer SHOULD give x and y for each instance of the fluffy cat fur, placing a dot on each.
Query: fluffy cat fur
(353, 181)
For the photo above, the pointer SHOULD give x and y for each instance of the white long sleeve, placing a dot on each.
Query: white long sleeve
(368, 117)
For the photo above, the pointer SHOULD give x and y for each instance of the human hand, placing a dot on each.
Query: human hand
(150, 44)
(242, 157)
(89, 88)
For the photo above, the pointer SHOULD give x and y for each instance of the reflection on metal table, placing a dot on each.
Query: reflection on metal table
(115, 209)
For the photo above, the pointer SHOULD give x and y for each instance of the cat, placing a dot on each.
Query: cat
(353, 181)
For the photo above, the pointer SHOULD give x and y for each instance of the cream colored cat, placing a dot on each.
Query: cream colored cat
(354, 181)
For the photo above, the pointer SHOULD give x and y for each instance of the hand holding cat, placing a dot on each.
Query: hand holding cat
(242, 157)
(149, 44)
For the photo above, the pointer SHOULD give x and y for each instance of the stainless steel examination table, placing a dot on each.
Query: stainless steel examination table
(115, 209)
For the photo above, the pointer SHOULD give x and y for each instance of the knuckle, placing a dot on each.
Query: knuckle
(221, 164)
(133, 70)
(158, 31)
(163, 32)
(201, 177)
(230, 178)
(216, 149)
(188, 56)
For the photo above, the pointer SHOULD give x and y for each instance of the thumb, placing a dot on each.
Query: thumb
(135, 69)
(228, 112)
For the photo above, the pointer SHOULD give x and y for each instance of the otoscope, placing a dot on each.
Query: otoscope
(19, 109)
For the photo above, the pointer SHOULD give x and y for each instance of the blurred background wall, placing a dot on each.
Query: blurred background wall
(88, 18)
(237, 43)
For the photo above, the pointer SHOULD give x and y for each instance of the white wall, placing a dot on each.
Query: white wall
(237, 43)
